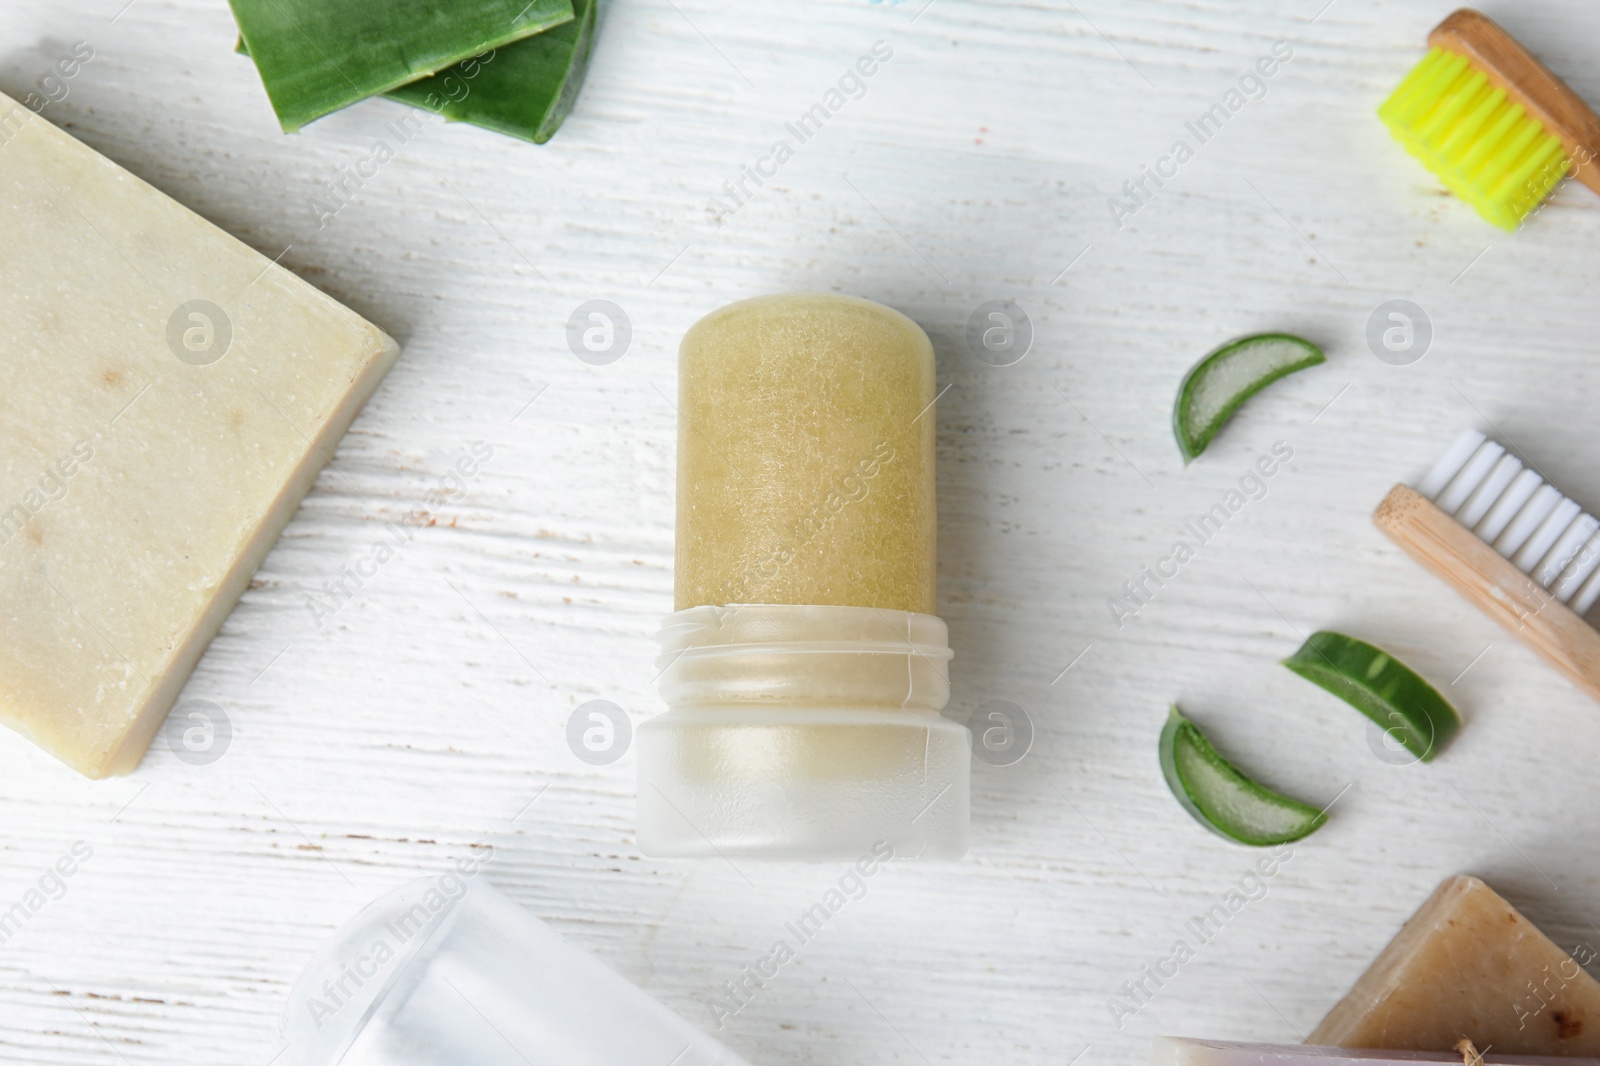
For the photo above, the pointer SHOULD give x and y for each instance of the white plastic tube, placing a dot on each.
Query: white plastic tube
(446, 971)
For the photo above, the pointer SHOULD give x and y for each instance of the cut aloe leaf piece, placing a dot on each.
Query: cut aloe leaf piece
(1229, 376)
(1224, 800)
(529, 91)
(1381, 687)
(525, 90)
(317, 56)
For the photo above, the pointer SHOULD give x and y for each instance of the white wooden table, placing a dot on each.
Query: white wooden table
(427, 716)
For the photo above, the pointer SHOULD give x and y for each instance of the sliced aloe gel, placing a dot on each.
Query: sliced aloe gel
(1224, 800)
(1229, 376)
(317, 56)
(1381, 687)
(526, 90)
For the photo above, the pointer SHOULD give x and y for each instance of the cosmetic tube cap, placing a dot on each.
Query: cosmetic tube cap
(446, 970)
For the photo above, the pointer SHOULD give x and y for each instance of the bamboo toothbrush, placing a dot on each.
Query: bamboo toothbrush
(1497, 127)
(1512, 544)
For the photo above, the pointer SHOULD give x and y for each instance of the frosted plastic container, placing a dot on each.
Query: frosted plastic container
(448, 972)
(803, 733)
(803, 669)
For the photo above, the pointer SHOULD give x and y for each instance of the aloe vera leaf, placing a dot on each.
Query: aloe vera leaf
(317, 56)
(526, 90)
(1221, 382)
(1224, 800)
(1381, 687)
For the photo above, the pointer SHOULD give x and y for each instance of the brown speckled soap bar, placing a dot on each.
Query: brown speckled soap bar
(1468, 966)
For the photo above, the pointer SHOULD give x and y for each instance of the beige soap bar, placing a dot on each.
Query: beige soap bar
(1467, 965)
(167, 396)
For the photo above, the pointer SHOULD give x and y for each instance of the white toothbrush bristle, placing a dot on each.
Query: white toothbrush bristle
(1510, 507)
(1535, 511)
(1583, 564)
(1451, 463)
(1483, 497)
(1586, 596)
(1544, 538)
(1564, 551)
(1466, 482)
(1504, 509)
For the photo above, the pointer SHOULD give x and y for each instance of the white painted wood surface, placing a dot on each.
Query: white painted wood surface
(428, 715)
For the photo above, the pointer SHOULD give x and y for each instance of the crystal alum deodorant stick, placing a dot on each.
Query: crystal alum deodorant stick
(804, 669)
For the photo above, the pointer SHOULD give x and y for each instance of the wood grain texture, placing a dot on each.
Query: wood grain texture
(1490, 582)
(1527, 82)
(428, 714)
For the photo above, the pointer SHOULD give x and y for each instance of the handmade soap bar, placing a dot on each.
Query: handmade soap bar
(1468, 966)
(167, 395)
(805, 456)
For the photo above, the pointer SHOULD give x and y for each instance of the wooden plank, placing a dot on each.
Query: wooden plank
(407, 728)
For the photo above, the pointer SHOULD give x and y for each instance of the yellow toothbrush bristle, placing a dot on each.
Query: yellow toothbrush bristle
(1484, 147)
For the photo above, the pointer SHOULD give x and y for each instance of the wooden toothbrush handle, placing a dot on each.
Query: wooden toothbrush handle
(1490, 580)
(1529, 83)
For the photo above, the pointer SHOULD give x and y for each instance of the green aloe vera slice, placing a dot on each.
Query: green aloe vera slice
(317, 56)
(1213, 390)
(526, 90)
(1224, 800)
(1381, 687)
